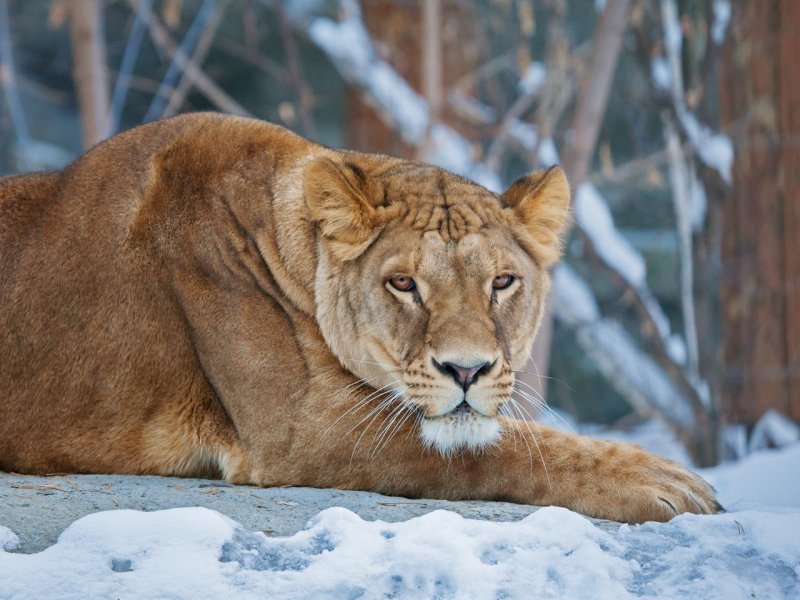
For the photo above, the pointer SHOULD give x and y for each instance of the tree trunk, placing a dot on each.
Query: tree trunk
(760, 292)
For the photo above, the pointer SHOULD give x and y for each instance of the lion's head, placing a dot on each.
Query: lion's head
(430, 288)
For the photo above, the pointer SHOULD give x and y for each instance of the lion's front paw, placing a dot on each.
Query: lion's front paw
(676, 490)
(642, 487)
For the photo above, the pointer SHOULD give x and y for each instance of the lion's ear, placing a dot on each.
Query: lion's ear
(336, 195)
(541, 201)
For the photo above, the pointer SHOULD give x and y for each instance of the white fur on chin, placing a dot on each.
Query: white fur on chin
(453, 432)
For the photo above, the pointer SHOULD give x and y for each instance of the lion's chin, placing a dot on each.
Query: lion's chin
(458, 431)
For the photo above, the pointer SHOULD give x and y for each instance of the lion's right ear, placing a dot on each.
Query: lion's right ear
(541, 201)
(336, 196)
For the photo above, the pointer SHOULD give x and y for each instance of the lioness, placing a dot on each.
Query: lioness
(216, 296)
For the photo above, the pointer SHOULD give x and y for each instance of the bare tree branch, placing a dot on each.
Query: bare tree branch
(295, 75)
(249, 55)
(216, 95)
(681, 178)
(594, 89)
(129, 57)
(178, 96)
(9, 83)
(89, 69)
(176, 69)
(432, 61)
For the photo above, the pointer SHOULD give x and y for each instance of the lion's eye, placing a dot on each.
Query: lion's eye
(403, 283)
(501, 282)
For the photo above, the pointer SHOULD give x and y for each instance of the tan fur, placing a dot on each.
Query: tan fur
(211, 295)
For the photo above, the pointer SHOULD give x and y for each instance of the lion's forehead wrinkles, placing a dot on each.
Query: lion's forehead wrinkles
(453, 221)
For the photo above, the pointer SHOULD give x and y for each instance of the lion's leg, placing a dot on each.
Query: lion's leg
(530, 464)
(248, 350)
(611, 480)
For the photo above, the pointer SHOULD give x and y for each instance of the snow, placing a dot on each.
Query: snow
(632, 372)
(573, 298)
(8, 539)
(714, 149)
(548, 155)
(751, 552)
(722, 16)
(673, 38)
(527, 134)
(533, 78)
(773, 429)
(698, 202)
(472, 107)
(770, 477)
(349, 46)
(660, 73)
(594, 217)
(553, 553)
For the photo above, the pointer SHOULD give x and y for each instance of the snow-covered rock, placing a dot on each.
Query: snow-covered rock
(553, 553)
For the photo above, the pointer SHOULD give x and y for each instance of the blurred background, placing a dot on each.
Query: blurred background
(675, 316)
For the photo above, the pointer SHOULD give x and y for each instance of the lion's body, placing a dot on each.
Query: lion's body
(165, 308)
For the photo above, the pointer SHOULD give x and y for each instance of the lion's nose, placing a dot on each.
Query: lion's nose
(463, 376)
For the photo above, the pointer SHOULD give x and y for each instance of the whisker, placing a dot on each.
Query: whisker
(540, 376)
(358, 405)
(503, 412)
(395, 394)
(406, 411)
(578, 437)
(385, 425)
(521, 411)
(517, 429)
(412, 413)
(375, 409)
(357, 383)
(537, 375)
(542, 404)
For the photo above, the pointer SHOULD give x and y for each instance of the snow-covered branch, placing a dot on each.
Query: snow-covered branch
(714, 149)
(348, 46)
(632, 373)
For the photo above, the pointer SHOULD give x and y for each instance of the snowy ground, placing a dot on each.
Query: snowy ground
(751, 552)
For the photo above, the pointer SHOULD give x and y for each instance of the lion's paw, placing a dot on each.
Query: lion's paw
(642, 487)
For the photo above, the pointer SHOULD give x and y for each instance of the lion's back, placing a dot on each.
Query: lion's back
(90, 334)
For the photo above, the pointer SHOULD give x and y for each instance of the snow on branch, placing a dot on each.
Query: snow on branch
(634, 374)
(594, 218)
(714, 149)
(722, 17)
(349, 47)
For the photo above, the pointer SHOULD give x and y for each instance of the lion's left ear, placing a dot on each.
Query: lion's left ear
(337, 198)
(541, 201)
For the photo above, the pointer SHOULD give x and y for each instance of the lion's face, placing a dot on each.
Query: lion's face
(430, 288)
